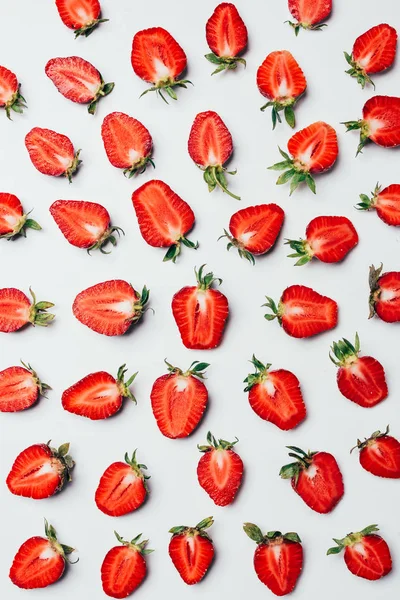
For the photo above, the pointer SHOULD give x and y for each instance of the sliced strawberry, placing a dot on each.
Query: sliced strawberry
(226, 36)
(10, 96)
(380, 454)
(110, 307)
(122, 487)
(52, 153)
(13, 220)
(384, 299)
(164, 218)
(386, 202)
(20, 388)
(380, 122)
(309, 14)
(16, 310)
(192, 550)
(81, 15)
(179, 399)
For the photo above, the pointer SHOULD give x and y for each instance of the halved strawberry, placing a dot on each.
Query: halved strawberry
(179, 399)
(254, 230)
(210, 146)
(164, 218)
(366, 554)
(226, 36)
(122, 487)
(78, 80)
(10, 96)
(384, 299)
(380, 454)
(191, 550)
(373, 51)
(98, 395)
(316, 478)
(13, 220)
(275, 396)
(110, 307)
(309, 14)
(360, 379)
(386, 202)
(200, 312)
(281, 80)
(81, 15)
(278, 559)
(16, 310)
(20, 388)
(313, 150)
(302, 312)
(329, 239)
(52, 153)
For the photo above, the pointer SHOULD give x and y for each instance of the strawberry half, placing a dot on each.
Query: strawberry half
(98, 395)
(313, 150)
(380, 455)
(360, 379)
(191, 550)
(13, 220)
(329, 239)
(84, 224)
(179, 399)
(122, 487)
(281, 80)
(302, 312)
(81, 15)
(316, 478)
(10, 96)
(366, 554)
(78, 80)
(127, 142)
(384, 299)
(164, 218)
(40, 561)
(111, 307)
(275, 396)
(52, 153)
(124, 567)
(158, 59)
(16, 310)
(278, 559)
(200, 312)
(309, 14)
(226, 36)
(254, 230)
(40, 471)
(20, 388)
(373, 51)
(386, 202)
(210, 146)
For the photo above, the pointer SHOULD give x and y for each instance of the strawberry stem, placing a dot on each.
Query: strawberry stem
(214, 175)
(17, 103)
(38, 314)
(87, 29)
(357, 71)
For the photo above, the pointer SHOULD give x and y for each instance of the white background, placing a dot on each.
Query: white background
(31, 34)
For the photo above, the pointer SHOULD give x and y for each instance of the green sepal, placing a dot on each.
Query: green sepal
(224, 62)
(43, 387)
(205, 281)
(167, 85)
(175, 249)
(107, 237)
(260, 375)
(214, 175)
(214, 444)
(87, 29)
(196, 369)
(123, 386)
(17, 103)
(351, 539)
(139, 166)
(20, 228)
(253, 532)
(357, 71)
(364, 132)
(297, 26)
(376, 435)
(234, 243)
(137, 468)
(375, 291)
(303, 462)
(302, 251)
(344, 352)
(104, 90)
(135, 544)
(199, 529)
(38, 314)
(368, 203)
(74, 166)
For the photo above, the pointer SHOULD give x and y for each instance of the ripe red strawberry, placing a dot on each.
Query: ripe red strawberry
(373, 51)
(164, 218)
(309, 14)
(384, 299)
(124, 567)
(84, 224)
(158, 59)
(16, 310)
(275, 396)
(329, 239)
(81, 15)
(360, 379)
(13, 220)
(110, 307)
(281, 80)
(20, 388)
(254, 230)
(78, 80)
(366, 554)
(316, 478)
(380, 454)
(200, 312)
(226, 36)
(191, 550)
(386, 202)
(210, 146)
(122, 487)
(40, 561)
(179, 399)
(127, 142)
(302, 312)
(313, 150)
(40, 471)
(10, 96)
(52, 153)
(98, 395)
(278, 559)
(380, 122)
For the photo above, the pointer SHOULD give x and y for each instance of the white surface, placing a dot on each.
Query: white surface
(67, 350)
